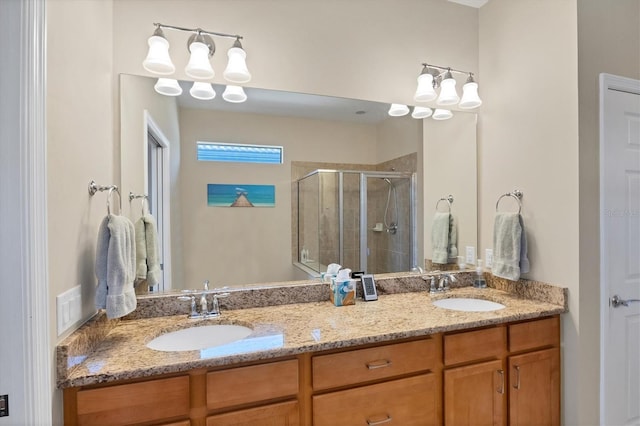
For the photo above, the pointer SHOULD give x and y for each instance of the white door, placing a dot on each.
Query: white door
(620, 249)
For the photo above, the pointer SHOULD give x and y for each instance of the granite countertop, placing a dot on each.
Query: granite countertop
(279, 331)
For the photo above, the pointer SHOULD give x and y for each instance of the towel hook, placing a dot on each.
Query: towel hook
(517, 194)
(448, 199)
(94, 187)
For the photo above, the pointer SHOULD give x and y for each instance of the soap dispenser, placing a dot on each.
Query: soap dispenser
(479, 282)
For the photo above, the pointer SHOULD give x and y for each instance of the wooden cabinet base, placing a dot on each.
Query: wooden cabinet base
(283, 414)
(405, 402)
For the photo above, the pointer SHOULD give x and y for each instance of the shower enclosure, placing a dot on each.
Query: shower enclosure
(362, 220)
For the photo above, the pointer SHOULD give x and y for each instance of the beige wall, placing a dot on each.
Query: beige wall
(80, 144)
(450, 168)
(528, 139)
(238, 246)
(608, 41)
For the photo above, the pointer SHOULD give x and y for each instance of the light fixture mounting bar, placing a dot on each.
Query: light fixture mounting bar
(198, 31)
(445, 69)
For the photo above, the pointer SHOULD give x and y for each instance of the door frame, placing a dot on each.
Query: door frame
(28, 367)
(606, 82)
(151, 126)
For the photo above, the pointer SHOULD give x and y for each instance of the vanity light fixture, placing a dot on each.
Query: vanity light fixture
(398, 110)
(234, 94)
(201, 47)
(168, 87)
(420, 112)
(435, 77)
(442, 114)
(202, 90)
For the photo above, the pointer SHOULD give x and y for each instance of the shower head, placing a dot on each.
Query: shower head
(388, 181)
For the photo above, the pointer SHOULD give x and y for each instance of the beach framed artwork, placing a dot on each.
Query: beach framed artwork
(239, 195)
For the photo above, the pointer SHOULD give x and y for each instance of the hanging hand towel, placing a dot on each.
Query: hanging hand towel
(453, 237)
(509, 247)
(151, 238)
(440, 237)
(141, 250)
(115, 266)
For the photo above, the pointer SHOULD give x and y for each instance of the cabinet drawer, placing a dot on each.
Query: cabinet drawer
(153, 400)
(363, 365)
(404, 402)
(283, 414)
(534, 334)
(474, 345)
(242, 385)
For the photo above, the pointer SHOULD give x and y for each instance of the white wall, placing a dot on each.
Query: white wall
(608, 41)
(528, 139)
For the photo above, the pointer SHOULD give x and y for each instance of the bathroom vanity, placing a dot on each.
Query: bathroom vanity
(399, 360)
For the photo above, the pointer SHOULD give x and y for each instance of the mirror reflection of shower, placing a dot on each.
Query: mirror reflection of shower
(391, 225)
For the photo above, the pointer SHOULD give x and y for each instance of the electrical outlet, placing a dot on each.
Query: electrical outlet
(69, 308)
(4, 405)
(488, 258)
(471, 255)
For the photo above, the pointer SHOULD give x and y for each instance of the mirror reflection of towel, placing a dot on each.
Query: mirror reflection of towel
(147, 263)
(444, 237)
(509, 247)
(115, 266)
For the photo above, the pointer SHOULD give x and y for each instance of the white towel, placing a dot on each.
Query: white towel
(147, 263)
(444, 237)
(115, 266)
(509, 247)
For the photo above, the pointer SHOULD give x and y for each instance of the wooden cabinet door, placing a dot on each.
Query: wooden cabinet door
(534, 388)
(475, 395)
(283, 414)
(406, 402)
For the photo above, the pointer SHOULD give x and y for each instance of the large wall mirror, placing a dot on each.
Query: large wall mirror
(239, 246)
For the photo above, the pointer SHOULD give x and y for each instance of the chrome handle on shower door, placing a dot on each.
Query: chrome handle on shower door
(616, 301)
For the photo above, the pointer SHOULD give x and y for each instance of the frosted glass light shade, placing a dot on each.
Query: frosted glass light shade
(398, 110)
(442, 114)
(234, 94)
(168, 87)
(203, 91)
(237, 71)
(425, 92)
(470, 98)
(420, 112)
(158, 60)
(199, 65)
(448, 94)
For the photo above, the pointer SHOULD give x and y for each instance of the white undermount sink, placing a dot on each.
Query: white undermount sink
(468, 304)
(196, 338)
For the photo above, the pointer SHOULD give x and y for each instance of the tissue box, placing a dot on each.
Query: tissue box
(343, 293)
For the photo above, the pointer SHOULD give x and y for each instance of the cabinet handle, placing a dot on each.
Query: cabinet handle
(379, 422)
(501, 388)
(516, 385)
(378, 364)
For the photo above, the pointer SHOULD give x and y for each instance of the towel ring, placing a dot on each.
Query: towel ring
(448, 199)
(517, 194)
(111, 190)
(143, 198)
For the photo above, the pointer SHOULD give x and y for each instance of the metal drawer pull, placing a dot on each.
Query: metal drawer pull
(378, 364)
(616, 301)
(501, 388)
(372, 423)
(516, 385)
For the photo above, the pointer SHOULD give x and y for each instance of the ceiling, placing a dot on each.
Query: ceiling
(274, 102)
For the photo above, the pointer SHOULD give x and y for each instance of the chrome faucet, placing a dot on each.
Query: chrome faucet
(204, 305)
(443, 278)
